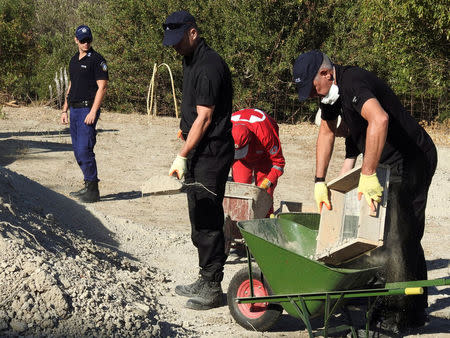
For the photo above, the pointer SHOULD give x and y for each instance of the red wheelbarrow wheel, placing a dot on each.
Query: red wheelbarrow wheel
(258, 316)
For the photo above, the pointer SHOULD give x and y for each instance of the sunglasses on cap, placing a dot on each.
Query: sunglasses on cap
(173, 26)
(87, 40)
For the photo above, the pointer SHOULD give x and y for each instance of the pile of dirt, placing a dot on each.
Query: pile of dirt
(55, 280)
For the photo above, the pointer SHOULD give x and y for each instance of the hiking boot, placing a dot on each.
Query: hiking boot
(91, 194)
(79, 192)
(210, 296)
(190, 290)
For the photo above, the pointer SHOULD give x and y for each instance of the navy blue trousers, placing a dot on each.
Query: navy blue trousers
(83, 142)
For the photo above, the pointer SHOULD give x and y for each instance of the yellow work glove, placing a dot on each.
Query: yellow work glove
(180, 134)
(370, 187)
(321, 195)
(265, 184)
(178, 167)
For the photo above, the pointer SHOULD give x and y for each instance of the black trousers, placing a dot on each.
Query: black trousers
(402, 254)
(206, 209)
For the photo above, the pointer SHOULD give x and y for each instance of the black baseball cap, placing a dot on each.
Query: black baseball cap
(175, 26)
(83, 32)
(305, 70)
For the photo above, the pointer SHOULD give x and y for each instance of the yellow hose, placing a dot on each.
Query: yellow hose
(151, 90)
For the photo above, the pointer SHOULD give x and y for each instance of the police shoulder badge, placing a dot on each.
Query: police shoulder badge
(104, 66)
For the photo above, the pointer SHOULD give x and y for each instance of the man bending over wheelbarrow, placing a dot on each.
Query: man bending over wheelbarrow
(257, 152)
(385, 133)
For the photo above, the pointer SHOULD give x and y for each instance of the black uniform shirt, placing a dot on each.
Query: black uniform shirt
(405, 136)
(351, 150)
(207, 82)
(84, 74)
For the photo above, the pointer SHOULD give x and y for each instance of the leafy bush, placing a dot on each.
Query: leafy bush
(404, 42)
(17, 47)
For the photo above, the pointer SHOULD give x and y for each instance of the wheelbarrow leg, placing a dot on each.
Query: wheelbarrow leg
(369, 313)
(303, 313)
(250, 273)
(326, 330)
(350, 320)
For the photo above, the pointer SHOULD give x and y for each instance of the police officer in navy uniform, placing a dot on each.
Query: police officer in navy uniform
(87, 87)
(384, 132)
(206, 155)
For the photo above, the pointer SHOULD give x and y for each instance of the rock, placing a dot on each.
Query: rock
(18, 325)
(37, 317)
(3, 324)
(156, 330)
(142, 309)
(47, 323)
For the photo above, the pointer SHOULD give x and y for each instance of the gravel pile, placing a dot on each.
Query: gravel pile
(54, 281)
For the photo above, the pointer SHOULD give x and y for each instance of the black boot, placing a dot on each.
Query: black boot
(210, 296)
(92, 194)
(79, 192)
(190, 290)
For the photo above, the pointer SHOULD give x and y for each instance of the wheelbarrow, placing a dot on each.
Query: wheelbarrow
(289, 278)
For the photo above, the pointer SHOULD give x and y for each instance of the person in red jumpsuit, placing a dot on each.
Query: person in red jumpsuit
(257, 152)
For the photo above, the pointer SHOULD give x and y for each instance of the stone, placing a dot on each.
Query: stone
(18, 325)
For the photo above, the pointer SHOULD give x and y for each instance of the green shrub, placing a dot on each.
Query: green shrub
(404, 42)
(17, 47)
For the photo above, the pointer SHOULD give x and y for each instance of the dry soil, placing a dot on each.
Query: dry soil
(111, 267)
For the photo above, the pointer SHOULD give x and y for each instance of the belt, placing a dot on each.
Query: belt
(81, 104)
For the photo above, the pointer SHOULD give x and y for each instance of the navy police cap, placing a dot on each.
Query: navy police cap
(83, 32)
(175, 26)
(305, 70)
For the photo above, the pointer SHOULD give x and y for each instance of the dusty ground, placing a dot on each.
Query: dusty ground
(153, 232)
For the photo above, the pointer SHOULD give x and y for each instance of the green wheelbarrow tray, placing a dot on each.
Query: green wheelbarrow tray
(284, 248)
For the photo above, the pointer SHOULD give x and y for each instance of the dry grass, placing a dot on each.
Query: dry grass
(439, 132)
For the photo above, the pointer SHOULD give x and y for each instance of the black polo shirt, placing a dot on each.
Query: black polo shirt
(351, 150)
(405, 136)
(207, 82)
(84, 74)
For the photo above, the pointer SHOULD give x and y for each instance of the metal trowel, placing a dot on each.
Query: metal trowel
(168, 185)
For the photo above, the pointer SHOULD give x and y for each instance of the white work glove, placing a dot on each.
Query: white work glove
(178, 167)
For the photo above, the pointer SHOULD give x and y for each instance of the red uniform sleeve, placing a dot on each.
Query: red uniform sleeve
(271, 143)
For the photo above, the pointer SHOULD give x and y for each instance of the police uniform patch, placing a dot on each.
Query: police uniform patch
(104, 66)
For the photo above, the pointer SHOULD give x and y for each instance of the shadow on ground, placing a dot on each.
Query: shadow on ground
(62, 132)
(12, 148)
(50, 217)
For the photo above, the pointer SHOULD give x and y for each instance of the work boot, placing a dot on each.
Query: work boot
(91, 194)
(210, 296)
(79, 192)
(190, 290)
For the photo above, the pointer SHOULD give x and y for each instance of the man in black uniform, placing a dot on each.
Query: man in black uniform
(87, 87)
(386, 133)
(207, 153)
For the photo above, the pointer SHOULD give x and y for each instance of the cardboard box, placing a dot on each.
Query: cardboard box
(350, 229)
